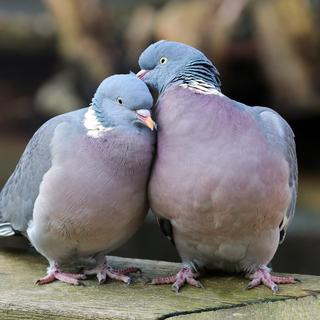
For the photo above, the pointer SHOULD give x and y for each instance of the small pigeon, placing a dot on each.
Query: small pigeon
(224, 180)
(80, 187)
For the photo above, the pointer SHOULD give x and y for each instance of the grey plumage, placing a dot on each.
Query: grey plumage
(22, 188)
(287, 145)
(79, 189)
(225, 174)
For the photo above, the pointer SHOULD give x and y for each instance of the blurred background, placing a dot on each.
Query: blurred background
(54, 53)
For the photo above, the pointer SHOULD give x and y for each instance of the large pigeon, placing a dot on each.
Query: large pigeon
(224, 181)
(80, 187)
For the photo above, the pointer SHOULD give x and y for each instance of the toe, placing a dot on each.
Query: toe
(78, 276)
(194, 283)
(102, 277)
(175, 288)
(283, 280)
(45, 280)
(274, 288)
(127, 271)
(67, 279)
(164, 280)
(268, 282)
(253, 283)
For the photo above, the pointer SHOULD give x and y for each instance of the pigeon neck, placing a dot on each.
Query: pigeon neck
(94, 120)
(199, 75)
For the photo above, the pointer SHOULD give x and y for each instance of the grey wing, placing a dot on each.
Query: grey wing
(21, 190)
(280, 133)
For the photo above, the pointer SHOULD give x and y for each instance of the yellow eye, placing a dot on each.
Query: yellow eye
(119, 100)
(163, 60)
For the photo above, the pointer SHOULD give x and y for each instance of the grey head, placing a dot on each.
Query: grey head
(166, 62)
(122, 100)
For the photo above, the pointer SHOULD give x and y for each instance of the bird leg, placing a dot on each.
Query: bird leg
(104, 271)
(184, 275)
(54, 273)
(263, 276)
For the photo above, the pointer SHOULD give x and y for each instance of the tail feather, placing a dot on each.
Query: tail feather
(6, 230)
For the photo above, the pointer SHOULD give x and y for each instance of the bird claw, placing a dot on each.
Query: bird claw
(263, 276)
(200, 285)
(56, 274)
(102, 277)
(274, 288)
(183, 276)
(175, 288)
(104, 271)
(127, 271)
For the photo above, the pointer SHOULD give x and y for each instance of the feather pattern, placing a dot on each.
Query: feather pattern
(229, 139)
(79, 189)
(225, 174)
(22, 188)
(279, 132)
(201, 75)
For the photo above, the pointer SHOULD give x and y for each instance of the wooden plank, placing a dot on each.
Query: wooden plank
(307, 308)
(224, 295)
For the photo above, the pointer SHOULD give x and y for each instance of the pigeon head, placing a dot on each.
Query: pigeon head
(166, 62)
(120, 100)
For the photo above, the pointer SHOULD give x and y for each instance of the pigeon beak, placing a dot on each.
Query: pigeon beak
(144, 116)
(142, 73)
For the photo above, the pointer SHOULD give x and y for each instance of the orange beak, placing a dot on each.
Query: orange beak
(144, 117)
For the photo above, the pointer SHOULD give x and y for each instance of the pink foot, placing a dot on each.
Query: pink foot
(263, 276)
(56, 274)
(183, 276)
(128, 270)
(104, 271)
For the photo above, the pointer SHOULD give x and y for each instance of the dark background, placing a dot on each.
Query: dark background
(54, 53)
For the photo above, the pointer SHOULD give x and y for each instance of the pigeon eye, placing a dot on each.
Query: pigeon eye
(163, 60)
(119, 100)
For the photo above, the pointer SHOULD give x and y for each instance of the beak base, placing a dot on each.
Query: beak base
(144, 117)
(141, 74)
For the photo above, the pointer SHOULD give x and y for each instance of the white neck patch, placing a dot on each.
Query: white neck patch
(202, 87)
(95, 128)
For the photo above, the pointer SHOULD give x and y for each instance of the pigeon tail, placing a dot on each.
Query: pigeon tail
(6, 230)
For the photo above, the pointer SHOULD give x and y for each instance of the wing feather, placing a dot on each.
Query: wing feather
(18, 196)
(278, 131)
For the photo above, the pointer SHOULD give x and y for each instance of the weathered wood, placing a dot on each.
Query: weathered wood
(304, 308)
(223, 296)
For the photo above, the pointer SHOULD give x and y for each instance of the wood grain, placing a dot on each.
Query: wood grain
(222, 297)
